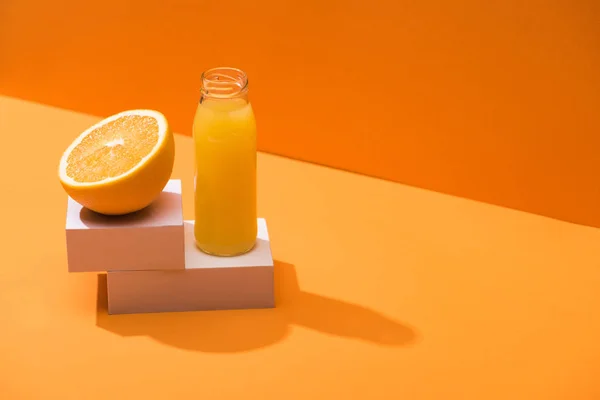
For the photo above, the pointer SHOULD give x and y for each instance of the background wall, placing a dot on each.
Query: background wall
(492, 100)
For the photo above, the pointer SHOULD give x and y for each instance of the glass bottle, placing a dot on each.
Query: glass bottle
(224, 133)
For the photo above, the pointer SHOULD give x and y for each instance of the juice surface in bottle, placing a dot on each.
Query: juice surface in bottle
(224, 133)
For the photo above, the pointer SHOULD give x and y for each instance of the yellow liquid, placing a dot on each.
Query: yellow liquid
(225, 182)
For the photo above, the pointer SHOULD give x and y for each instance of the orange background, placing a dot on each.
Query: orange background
(492, 100)
(383, 291)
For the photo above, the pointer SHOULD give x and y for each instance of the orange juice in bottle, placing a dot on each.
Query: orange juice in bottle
(224, 134)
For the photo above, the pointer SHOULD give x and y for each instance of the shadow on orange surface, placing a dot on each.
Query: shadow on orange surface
(243, 330)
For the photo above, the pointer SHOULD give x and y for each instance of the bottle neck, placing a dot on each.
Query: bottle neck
(224, 83)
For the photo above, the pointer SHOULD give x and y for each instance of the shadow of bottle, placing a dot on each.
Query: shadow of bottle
(243, 330)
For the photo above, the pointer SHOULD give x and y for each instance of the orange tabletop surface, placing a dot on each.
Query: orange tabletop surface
(384, 291)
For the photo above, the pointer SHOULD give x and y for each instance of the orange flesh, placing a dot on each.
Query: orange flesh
(112, 149)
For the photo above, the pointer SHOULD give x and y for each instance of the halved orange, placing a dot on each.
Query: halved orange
(121, 164)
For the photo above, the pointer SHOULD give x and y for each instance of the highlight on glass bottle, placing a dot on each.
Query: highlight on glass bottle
(224, 132)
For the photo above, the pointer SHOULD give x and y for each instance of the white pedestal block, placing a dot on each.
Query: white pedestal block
(207, 283)
(152, 238)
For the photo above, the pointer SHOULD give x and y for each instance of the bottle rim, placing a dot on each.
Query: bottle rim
(224, 82)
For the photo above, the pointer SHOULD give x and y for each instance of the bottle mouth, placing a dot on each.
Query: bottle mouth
(224, 82)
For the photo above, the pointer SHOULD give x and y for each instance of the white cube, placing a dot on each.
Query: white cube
(152, 238)
(207, 283)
